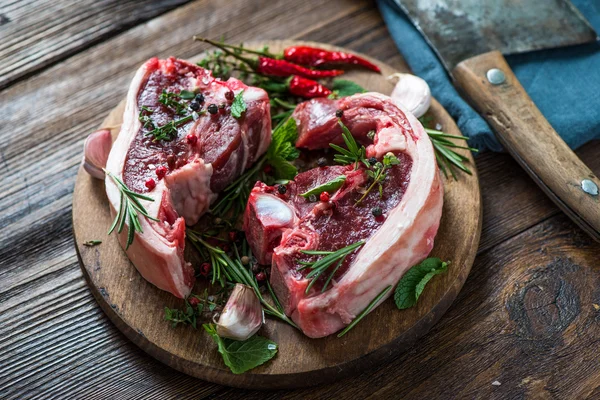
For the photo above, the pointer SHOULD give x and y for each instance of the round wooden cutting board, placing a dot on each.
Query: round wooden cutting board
(136, 307)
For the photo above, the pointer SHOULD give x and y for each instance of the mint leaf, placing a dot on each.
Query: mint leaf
(187, 95)
(238, 107)
(282, 150)
(413, 282)
(328, 187)
(345, 87)
(241, 356)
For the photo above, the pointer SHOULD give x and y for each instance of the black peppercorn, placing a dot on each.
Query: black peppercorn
(376, 211)
(199, 98)
(372, 161)
(194, 106)
(213, 108)
(339, 113)
(282, 189)
(321, 162)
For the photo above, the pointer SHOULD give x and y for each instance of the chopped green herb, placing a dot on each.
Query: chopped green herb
(328, 187)
(242, 356)
(168, 130)
(238, 107)
(319, 267)
(353, 154)
(413, 282)
(171, 100)
(129, 207)
(91, 243)
(187, 95)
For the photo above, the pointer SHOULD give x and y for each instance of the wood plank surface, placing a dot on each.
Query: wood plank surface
(37, 33)
(55, 342)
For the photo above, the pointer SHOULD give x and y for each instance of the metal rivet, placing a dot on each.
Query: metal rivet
(589, 187)
(495, 76)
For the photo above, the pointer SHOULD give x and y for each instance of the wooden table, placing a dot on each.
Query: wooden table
(527, 323)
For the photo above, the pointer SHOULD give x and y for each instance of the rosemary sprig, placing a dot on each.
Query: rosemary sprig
(129, 207)
(212, 253)
(172, 100)
(378, 173)
(365, 311)
(319, 267)
(232, 270)
(353, 154)
(168, 130)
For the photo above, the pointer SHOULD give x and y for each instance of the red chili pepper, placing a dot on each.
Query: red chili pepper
(270, 66)
(307, 88)
(314, 57)
(265, 64)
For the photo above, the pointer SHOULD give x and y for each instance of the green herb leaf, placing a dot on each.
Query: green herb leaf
(238, 107)
(353, 154)
(282, 150)
(328, 187)
(413, 282)
(242, 356)
(345, 87)
(187, 95)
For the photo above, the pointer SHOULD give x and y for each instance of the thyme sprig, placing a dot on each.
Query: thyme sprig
(232, 270)
(378, 174)
(129, 207)
(320, 266)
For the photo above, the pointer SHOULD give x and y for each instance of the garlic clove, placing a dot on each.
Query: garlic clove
(242, 316)
(95, 152)
(412, 93)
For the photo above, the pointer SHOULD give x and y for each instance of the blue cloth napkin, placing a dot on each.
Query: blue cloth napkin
(564, 83)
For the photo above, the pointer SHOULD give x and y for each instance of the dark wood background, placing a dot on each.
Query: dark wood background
(526, 325)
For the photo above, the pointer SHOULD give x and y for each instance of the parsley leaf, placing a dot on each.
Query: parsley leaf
(413, 282)
(241, 356)
(238, 107)
(343, 88)
(282, 150)
(328, 187)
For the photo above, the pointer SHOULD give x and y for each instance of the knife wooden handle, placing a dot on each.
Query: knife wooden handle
(529, 138)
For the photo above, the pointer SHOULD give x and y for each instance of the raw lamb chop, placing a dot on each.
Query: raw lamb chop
(402, 236)
(185, 172)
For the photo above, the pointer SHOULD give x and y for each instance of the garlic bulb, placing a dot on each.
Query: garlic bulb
(412, 93)
(95, 152)
(242, 316)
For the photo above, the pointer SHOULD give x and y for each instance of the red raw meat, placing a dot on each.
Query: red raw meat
(411, 205)
(205, 155)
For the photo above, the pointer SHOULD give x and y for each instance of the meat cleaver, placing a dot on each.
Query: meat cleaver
(470, 37)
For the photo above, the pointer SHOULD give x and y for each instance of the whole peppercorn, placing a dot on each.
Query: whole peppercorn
(194, 106)
(312, 198)
(372, 161)
(193, 300)
(261, 276)
(171, 161)
(324, 196)
(199, 98)
(282, 189)
(205, 269)
(376, 211)
(245, 260)
(229, 95)
(322, 161)
(339, 113)
(212, 108)
(150, 183)
(218, 221)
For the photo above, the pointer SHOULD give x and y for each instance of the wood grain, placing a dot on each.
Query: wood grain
(530, 139)
(301, 361)
(36, 34)
(56, 342)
